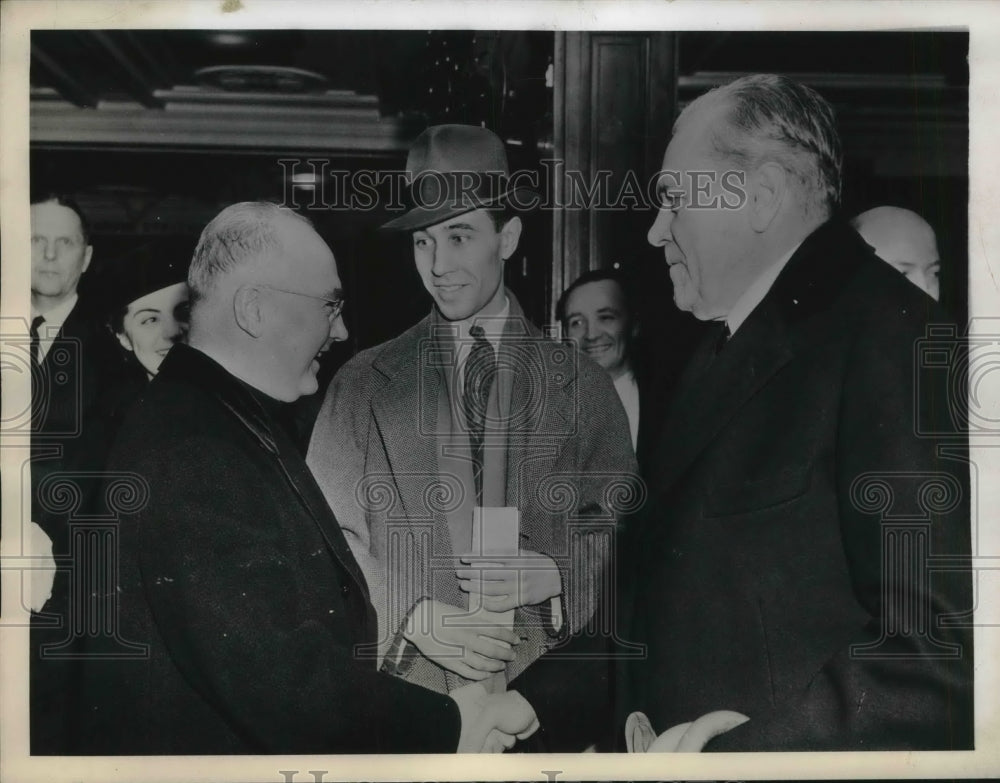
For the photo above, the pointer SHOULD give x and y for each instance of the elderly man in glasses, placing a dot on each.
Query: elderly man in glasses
(240, 609)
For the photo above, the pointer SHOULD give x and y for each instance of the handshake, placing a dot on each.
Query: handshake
(492, 723)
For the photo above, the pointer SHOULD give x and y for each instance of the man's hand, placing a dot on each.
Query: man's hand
(522, 580)
(491, 723)
(688, 737)
(38, 545)
(465, 645)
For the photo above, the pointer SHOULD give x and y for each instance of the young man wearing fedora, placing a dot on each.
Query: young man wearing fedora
(472, 417)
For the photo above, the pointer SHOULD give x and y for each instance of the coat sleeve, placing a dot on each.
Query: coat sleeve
(226, 589)
(906, 681)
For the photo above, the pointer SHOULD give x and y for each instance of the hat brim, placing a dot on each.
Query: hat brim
(422, 217)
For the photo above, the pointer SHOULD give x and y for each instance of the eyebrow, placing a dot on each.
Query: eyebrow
(334, 293)
(464, 226)
(146, 310)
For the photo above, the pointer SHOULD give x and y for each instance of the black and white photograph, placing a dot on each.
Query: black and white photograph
(604, 387)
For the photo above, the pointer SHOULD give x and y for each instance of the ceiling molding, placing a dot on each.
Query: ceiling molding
(336, 121)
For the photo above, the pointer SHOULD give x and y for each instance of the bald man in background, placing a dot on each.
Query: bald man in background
(906, 241)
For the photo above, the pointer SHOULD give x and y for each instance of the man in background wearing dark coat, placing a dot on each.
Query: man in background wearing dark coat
(239, 607)
(74, 362)
(799, 497)
(73, 357)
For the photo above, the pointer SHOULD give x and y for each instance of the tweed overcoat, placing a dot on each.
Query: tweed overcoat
(569, 464)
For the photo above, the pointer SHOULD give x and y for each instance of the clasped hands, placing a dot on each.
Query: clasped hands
(492, 723)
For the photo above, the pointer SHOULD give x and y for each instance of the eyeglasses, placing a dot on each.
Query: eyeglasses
(335, 306)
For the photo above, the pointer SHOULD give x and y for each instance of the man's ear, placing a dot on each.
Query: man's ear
(510, 235)
(769, 185)
(87, 253)
(248, 310)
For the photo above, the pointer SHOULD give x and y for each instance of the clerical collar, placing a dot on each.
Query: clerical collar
(755, 294)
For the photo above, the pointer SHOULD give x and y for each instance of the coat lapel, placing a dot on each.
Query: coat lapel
(811, 280)
(540, 403)
(199, 369)
(405, 411)
(309, 493)
(709, 402)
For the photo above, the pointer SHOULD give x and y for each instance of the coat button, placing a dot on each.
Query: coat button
(345, 589)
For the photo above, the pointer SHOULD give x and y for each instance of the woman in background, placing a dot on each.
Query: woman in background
(149, 308)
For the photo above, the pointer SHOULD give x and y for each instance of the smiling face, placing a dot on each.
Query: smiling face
(597, 319)
(153, 323)
(299, 323)
(704, 239)
(461, 262)
(59, 253)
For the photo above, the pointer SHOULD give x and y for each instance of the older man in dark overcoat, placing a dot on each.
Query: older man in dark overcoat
(804, 555)
(239, 610)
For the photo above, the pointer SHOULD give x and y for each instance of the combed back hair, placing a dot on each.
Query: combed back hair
(595, 276)
(239, 234)
(69, 202)
(772, 118)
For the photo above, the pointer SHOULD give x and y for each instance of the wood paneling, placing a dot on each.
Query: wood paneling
(614, 103)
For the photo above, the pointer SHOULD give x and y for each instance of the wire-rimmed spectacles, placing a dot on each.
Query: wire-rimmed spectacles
(336, 306)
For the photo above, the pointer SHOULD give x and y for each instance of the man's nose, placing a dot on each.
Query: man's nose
(50, 251)
(659, 232)
(441, 264)
(591, 332)
(338, 330)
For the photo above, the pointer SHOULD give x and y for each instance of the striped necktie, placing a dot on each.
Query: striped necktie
(480, 370)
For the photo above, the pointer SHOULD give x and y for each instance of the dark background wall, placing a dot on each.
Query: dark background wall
(153, 138)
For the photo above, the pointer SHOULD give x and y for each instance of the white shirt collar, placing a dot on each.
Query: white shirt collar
(755, 294)
(56, 317)
(493, 325)
(628, 393)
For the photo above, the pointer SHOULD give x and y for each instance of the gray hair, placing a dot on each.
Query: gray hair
(772, 118)
(239, 234)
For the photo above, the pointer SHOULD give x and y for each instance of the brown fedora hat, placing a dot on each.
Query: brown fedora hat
(454, 169)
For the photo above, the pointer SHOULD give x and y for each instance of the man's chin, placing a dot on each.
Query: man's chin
(454, 311)
(309, 384)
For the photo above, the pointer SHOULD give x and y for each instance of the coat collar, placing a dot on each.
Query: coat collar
(192, 367)
(397, 357)
(813, 279)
